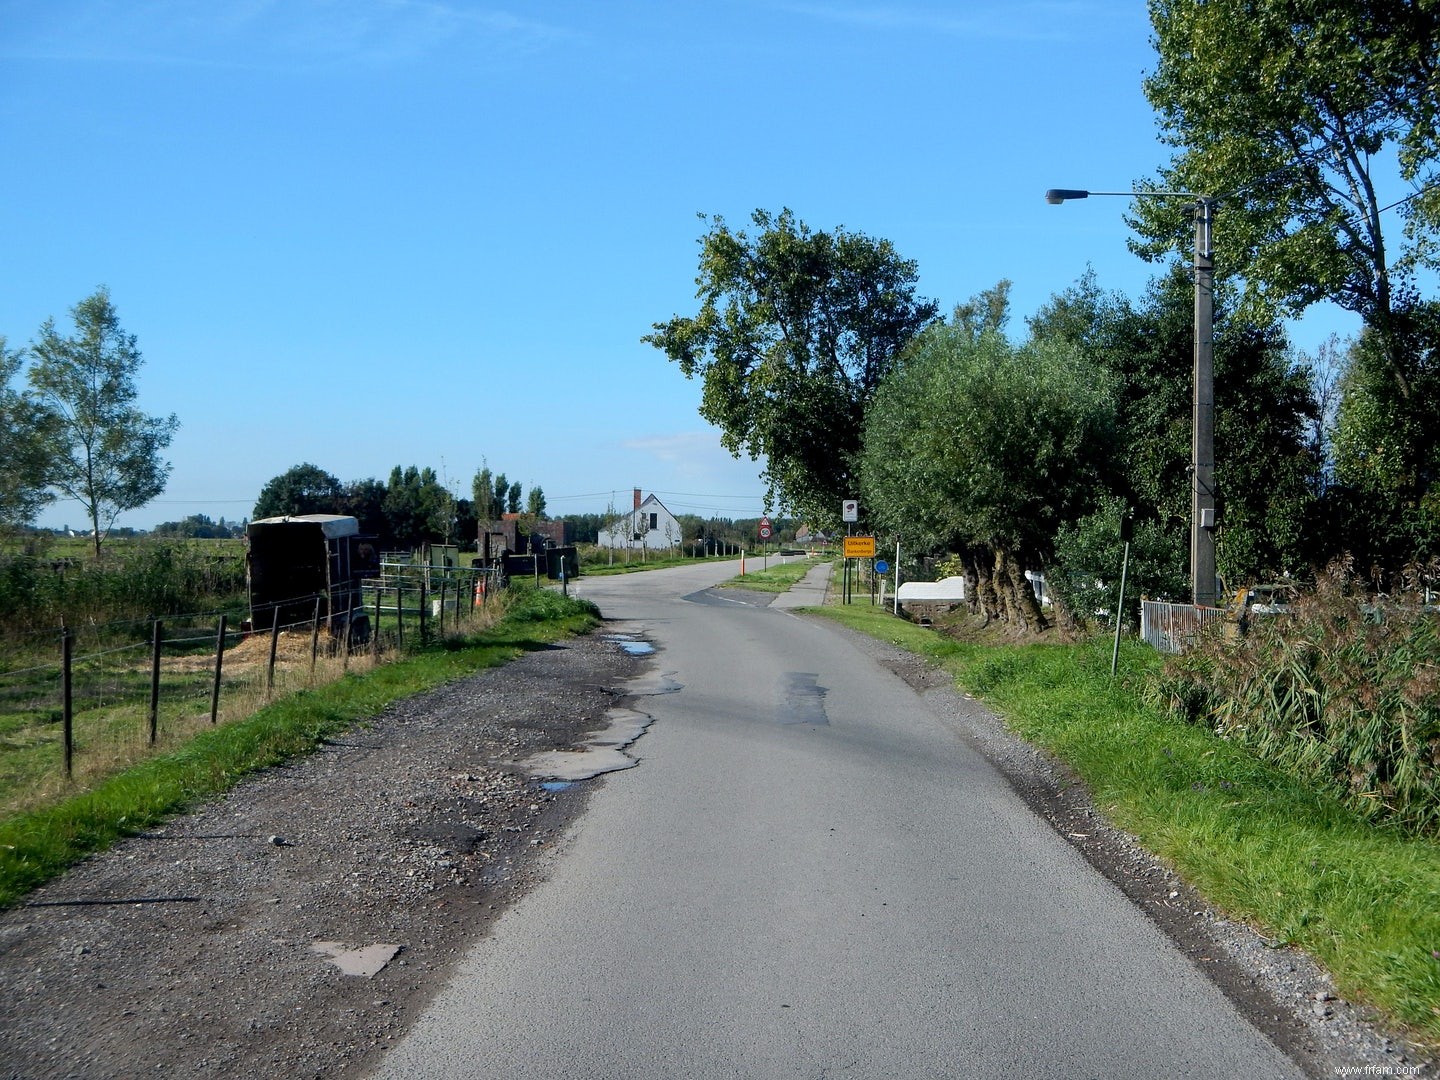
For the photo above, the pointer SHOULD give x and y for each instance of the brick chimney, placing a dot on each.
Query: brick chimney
(637, 498)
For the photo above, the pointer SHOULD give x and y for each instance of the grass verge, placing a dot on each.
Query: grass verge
(596, 566)
(1261, 846)
(776, 579)
(38, 845)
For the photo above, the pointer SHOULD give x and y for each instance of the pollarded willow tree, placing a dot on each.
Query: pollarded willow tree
(1267, 470)
(795, 331)
(982, 447)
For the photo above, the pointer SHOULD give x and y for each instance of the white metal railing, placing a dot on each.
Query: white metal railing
(1171, 627)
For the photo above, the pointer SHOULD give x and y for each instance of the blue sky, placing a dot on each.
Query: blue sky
(363, 233)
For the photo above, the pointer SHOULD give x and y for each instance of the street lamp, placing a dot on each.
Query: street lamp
(1202, 458)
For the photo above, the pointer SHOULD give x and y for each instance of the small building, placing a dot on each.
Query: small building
(496, 537)
(648, 525)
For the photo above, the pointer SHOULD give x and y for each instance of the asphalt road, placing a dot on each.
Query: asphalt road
(811, 874)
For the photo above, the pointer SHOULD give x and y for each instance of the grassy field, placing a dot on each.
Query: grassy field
(1260, 845)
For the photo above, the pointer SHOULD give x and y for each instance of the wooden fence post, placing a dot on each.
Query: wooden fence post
(424, 599)
(399, 616)
(314, 636)
(375, 632)
(157, 636)
(274, 645)
(67, 699)
(219, 662)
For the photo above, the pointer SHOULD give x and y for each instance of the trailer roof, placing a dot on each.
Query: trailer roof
(332, 525)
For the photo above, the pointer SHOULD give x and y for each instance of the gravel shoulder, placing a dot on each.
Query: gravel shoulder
(213, 947)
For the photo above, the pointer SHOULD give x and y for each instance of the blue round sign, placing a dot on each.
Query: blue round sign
(881, 566)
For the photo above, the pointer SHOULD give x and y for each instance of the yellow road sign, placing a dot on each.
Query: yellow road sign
(859, 547)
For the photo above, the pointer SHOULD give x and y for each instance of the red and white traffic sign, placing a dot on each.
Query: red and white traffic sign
(764, 528)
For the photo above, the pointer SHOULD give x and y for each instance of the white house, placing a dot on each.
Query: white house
(648, 525)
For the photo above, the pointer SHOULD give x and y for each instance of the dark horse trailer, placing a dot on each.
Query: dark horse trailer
(290, 562)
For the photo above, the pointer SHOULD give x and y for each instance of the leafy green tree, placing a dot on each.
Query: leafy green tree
(106, 452)
(194, 527)
(467, 525)
(1296, 106)
(1085, 573)
(301, 489)
(482, 494)
(978, 446)
(535, 503)
(418, 508)
(512, 498)
(795, 331)
(364, 500)
(1383, 507)
(1266, 471)
(23, 460)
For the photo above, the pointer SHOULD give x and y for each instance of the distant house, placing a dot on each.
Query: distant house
(809, 538)
(648, 525)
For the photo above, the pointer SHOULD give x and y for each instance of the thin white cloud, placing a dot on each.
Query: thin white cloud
(268, 33)
(1044, 19)
(677, 448)
(693, 462)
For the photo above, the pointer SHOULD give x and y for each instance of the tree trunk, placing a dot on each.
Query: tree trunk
(1062, 616)
(985, 594)
(1011, 611)
(972, 585)
(1027, 605)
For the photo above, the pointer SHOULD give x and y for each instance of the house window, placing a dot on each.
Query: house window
(654, 521)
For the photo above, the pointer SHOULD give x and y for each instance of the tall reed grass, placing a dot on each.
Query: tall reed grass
(1343, 691)
(134, 581)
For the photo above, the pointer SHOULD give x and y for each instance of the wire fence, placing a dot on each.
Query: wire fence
(108, 696)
